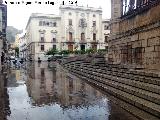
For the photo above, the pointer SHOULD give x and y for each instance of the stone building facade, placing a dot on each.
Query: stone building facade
(135, 33)
(22, 46)
(76, 28)
(81, 28)
(3, 25)
(42, 34)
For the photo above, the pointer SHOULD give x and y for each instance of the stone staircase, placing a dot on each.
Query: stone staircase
(139, 89)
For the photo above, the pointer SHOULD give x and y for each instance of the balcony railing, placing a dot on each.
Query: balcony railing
(69, 41)
(137, 6)
(94, 42)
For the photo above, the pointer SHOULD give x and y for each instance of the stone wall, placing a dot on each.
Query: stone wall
(135, 40)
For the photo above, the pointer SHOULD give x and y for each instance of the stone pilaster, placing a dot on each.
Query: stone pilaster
(116, 13)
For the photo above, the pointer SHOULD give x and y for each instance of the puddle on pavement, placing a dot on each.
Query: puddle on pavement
(38, 92)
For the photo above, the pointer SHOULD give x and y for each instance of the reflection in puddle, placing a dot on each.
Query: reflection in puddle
(42, 93)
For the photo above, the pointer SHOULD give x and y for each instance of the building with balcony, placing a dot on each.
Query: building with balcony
(3, 25)
(81, 28)
(42, 34)
(135, 33)
(22, 46)
(76, 28)
(11, 49)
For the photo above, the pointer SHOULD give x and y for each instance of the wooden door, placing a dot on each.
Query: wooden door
(70, 47)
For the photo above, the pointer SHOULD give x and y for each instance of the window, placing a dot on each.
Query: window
(82, 36)
(41, 37)
(106, 27)
(47, 23)
(54, 47)
(70, 36)
(106, 39)
(94, 23)
(54, 24)
(53, 37)
(42, 47)
(40, 23)
(94, 36)
(82, 23)
(70, 21)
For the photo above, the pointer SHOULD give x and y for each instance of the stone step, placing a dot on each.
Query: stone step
(116, 74)
(138, 102)
(141, 77)
(138, 84)
(151, 80)
(133, 90)
(121, 85)
(125, 87)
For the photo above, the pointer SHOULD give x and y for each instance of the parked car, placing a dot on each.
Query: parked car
(12, 58)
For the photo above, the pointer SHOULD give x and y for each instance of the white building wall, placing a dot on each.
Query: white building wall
(76, 15)
(0, 19)
(63, 28)
(34, 31)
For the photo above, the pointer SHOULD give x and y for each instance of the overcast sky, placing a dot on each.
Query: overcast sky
(18, 14)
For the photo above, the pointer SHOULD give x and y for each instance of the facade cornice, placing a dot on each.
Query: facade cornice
(81, 8)
(42, 16)
(46, 17)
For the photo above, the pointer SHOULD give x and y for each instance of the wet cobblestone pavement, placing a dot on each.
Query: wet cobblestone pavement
(38, 92)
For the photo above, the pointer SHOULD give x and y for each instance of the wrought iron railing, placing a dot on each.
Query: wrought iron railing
(136, 6)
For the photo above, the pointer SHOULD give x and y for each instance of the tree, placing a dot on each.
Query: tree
(16, 51)
(52, 52)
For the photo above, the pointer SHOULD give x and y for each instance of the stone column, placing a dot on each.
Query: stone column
(100, 29)
(116, 13)
(116, 8)
(77, 27)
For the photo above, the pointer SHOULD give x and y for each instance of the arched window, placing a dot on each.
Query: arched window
(42, 35)
(82, 36)
(94, 36)
(70, 36)
(53, 37)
